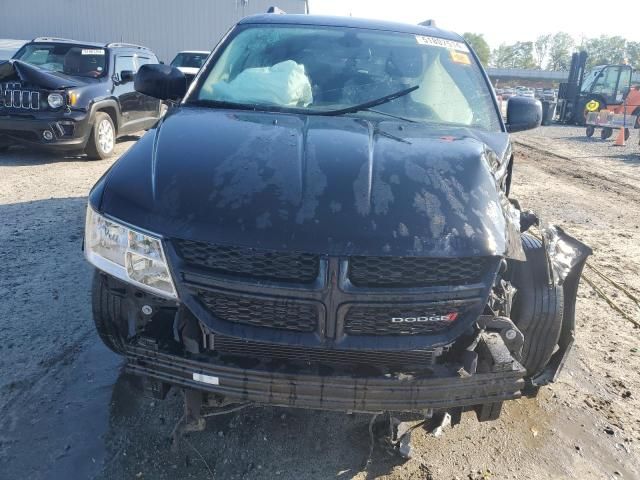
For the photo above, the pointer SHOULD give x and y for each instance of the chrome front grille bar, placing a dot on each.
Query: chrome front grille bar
(13, 96)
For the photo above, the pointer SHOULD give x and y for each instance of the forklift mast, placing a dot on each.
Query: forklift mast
(569, 91)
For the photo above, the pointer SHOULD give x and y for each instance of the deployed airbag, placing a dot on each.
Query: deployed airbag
(284, 84)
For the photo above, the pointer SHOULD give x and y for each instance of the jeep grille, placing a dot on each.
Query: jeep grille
(12, 95)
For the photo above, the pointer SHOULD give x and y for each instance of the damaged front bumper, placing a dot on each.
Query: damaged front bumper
(499, 377)
(69, 131)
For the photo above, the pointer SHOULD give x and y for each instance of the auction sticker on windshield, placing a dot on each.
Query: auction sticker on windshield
(92, 51)
(441, 42)
(460, 57)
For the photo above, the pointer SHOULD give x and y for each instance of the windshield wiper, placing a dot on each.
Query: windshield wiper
(221, 104)
(397, 117)
(371, 103)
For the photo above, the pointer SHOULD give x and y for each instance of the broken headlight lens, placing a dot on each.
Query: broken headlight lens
(129, 255)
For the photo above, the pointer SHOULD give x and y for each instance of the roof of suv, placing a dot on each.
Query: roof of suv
(350, 22)
(88, 44)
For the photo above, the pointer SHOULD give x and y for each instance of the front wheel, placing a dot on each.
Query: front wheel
(537, 306)
(102, 140)
(107, 314)
(589, 105)
(590, 131)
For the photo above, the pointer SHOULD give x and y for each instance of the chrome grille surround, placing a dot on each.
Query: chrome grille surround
(13, 95)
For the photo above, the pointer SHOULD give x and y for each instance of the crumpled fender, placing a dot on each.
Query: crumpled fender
(18, 70)
(566, 254)
(566, 257)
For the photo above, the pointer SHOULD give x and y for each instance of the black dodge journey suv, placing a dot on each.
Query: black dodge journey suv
(323, 221)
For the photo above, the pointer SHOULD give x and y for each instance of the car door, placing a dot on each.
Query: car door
(123, 90)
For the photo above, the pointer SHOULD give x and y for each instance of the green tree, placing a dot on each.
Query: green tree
(633, 54)
(541, 49)
(560, 50)
(518, 55)
(605, 49)
(502, 57)
(479, 45)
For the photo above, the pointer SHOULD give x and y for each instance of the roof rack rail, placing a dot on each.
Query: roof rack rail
(53, 39)
(276, 10)
(126, 45)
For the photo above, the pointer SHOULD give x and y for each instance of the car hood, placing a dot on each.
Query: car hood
(30, 74)
(318, 184)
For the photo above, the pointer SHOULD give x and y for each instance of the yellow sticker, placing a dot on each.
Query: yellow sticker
(460, 57)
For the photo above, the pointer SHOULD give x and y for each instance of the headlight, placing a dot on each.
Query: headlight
(129, 255)
(55, 100)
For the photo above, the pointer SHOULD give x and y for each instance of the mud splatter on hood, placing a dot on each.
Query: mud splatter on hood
(334, 185)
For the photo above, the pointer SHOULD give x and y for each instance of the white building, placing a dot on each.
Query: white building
(165, 26)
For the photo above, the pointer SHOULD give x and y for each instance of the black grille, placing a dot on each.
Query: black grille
(250, 262)
(233, 346)
(261, 312)
(420, 319)
(416, 271)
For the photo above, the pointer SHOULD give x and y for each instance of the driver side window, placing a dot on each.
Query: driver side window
(125, 63)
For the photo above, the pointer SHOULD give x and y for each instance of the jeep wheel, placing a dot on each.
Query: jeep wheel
(537, 306)
(107, 313)
(103, 138)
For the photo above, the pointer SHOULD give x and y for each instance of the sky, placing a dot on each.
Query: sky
(499, 21)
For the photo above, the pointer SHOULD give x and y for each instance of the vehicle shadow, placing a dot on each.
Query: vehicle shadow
(21, 156)
(55, 375)
(257, 442)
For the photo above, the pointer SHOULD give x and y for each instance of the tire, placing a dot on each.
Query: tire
(107, 314)
(627, 133)
(580, 115)
(590, 131)
(606, 133)
(102, 140)
(537, 308)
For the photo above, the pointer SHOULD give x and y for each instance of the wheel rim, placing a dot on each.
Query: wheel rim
(105, 136)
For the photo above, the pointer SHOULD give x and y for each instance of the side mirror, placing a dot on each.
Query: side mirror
(161, 81)
(523, 113)
(127, 76)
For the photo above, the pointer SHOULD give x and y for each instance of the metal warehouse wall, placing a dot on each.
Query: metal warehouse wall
(165, 26)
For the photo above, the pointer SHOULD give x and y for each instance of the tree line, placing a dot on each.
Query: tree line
(553, 51)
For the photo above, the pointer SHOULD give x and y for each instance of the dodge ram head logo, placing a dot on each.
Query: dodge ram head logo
(428, 319)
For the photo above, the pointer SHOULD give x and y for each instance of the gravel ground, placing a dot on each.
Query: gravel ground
(67, 412)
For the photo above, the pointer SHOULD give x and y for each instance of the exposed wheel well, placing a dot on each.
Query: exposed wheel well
(111, 111)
